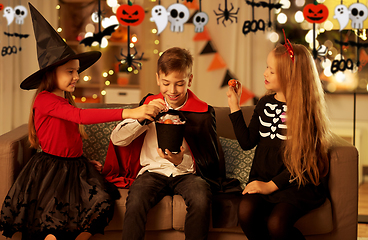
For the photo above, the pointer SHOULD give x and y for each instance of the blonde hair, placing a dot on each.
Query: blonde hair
(306, 150)
(49, 84)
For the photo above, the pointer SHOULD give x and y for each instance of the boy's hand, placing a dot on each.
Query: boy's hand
(260, 187)
(176, 159)
(146, 111)
(233, 97)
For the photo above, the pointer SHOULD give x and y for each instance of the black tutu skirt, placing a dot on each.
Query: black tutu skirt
(60, 196)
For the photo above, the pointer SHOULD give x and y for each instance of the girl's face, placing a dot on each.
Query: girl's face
(67, 76)
(174, 87)
(271, 80)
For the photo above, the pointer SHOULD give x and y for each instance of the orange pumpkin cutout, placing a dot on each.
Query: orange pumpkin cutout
(315, 13)
(130, 15)
(120, 35)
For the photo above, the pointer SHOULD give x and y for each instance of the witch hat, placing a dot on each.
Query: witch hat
(52, 51)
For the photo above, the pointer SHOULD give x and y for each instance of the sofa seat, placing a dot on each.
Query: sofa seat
(170, 213)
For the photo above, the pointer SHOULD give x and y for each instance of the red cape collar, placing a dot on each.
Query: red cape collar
(193, 104)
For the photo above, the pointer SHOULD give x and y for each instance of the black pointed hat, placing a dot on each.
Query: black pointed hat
(52, 51)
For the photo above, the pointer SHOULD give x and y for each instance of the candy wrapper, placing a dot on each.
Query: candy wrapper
(170, 127)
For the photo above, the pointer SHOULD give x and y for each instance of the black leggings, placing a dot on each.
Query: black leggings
(263, 220)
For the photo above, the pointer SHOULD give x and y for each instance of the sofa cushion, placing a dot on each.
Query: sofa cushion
(95, 146)
(237, 161)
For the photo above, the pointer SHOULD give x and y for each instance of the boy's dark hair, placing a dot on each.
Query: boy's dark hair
(175, 60)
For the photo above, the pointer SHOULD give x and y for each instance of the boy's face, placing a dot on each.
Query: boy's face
(174, 87)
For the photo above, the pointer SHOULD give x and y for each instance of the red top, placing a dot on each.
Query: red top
(56, 123)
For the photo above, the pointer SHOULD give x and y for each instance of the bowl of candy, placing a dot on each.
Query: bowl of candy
(170, 127)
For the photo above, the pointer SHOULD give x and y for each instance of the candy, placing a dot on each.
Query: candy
(232, 83)
(168, 121)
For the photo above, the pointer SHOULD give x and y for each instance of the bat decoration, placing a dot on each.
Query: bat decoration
(16, 35)
(97, 37)
(256, 25)
(352, 43)
(226, 14)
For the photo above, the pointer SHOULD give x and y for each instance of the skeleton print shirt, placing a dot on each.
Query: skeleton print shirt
(267, 131)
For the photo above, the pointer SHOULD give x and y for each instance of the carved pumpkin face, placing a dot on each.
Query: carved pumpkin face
(130, 15)
(315, 13)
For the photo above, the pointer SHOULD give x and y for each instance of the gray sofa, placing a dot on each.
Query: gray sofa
(335, 219)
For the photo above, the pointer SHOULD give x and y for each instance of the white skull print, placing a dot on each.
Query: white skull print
(200, 19)
(20, 12)
(358, 13)
(178, 15)
(278, 117)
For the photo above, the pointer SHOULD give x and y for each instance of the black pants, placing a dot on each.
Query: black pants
(149, 188)
(263, 220)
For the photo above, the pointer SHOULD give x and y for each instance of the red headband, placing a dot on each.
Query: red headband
(289, 48)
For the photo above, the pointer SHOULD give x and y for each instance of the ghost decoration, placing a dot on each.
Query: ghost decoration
(342, 15)
(358, 12)
(178, 15)
(200, 19)
(9, 14)
(160, 16)
(20, 14)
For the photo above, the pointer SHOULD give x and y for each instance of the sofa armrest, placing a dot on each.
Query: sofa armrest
(343, 187)
(15, 151)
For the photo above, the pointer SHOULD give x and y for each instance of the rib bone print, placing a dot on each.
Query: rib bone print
(277, 118)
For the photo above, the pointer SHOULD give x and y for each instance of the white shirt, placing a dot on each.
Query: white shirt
(129, 129)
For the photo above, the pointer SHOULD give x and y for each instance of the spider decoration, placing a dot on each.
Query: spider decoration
(129, 61)
(226, 14)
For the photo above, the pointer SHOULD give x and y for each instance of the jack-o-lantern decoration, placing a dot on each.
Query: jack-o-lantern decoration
(130, 14)
(315, 13)
(120, 35)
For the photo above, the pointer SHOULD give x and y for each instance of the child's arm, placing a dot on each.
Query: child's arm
(126, 131)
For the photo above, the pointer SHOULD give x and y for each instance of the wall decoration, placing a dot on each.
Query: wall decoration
(1, 6)
(130, 61)
(200, 19)
(256, 25)
(217, 63)
(20, 12)
(160, 16)
(97, 37)
(315, 13)
(178, 16)
(9, 14)
(342, 16)
(202, 36)
(226, 14)
(130, 14)
(208, 48)
(358, 13)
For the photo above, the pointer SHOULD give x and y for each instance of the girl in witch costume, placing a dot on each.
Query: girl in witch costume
(59, 194)
(289, 128)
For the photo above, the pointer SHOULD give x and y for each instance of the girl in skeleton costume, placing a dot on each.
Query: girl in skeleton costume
(59, 194)
(289, 128)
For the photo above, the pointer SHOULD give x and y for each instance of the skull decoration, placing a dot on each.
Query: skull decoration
(20, 13)
(179, 14)
(200, 19)
(358, 12)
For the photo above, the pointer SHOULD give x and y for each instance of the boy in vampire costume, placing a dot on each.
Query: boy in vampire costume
(134, 160)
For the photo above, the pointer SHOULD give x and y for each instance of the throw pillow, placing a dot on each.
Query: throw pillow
(237, 161)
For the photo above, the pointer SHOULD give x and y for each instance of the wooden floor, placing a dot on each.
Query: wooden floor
(363, 210)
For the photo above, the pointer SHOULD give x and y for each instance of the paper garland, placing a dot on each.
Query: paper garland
(218, 63)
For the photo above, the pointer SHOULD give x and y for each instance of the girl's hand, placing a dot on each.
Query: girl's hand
(233, 97)
(97, 165)
(176, 159)
(260, 187)
(146, 111)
